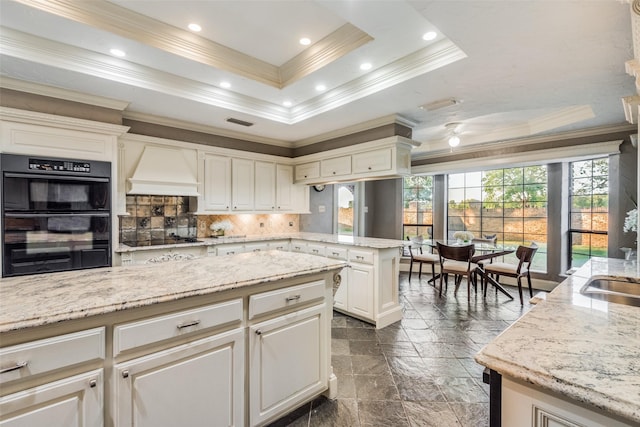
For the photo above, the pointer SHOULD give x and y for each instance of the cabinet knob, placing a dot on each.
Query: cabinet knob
(369, 168)
(93, 382)
(334, 173)
(125, 374)
(258, 332)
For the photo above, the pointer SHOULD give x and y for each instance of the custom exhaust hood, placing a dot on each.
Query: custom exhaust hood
(164, 171)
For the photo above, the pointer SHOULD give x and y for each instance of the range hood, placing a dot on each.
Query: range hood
(164, 171)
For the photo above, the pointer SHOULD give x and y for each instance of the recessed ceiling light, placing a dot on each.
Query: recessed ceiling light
(321, 88)
(365, 66)
(429, 35)
(225, 85)
(117, 52)
(305, 41)
(195, 27)
(287, 103)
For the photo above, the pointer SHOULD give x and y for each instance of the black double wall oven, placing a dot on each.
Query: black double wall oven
(56, 214)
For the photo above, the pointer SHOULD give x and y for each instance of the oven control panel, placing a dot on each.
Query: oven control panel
(59, 165)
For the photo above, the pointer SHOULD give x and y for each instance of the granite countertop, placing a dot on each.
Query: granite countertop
(42, 299)
(585, 349)
(369, 242)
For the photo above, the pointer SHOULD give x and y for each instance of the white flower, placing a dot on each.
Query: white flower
(631, 221)
(221, 225)
(463, 235)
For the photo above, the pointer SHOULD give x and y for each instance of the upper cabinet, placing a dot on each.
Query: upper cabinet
(381, 159)
(242, 184)
(217, 183)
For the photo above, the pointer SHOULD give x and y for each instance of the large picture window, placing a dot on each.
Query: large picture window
(588, 210)
(509, 203)
(418, 206)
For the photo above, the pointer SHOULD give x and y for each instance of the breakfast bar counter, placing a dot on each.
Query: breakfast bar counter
(576, 348)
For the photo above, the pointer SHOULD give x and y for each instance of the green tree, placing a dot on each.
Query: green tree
(524, 185)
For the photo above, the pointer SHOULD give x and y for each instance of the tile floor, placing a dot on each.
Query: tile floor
(416, 372)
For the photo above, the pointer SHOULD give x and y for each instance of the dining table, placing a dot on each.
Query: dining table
(483, 251)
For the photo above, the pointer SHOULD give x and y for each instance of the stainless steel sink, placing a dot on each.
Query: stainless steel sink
(613, 289)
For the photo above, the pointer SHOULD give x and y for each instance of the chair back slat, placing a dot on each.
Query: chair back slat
(456, 253)
(525, 255)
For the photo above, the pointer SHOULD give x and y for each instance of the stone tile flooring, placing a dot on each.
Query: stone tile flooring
(416, 372)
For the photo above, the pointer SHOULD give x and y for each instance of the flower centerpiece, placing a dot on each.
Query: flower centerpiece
(464, 236)
(631, 221)
(220, 227)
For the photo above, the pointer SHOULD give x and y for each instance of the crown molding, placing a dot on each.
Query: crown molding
(349, 130)
(59, 93)
(44, 119)
(561, 118)
(413, 65)
(506, 144)
(132, 25)
(211, 130)
(334, 46)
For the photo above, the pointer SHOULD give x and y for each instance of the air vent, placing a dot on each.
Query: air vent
(239, 122)
(442, 103)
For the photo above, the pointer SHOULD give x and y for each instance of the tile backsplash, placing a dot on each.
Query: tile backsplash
(153, 218)
(250, 224)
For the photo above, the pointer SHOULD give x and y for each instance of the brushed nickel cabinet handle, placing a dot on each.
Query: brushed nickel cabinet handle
(188, 324)
(18, 365)
(125, 374)
(293, 298)
(93, 382)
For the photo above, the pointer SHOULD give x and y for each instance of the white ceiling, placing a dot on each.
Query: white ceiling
(518, 68)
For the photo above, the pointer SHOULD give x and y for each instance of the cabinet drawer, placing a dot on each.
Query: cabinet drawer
(379, 160)
(364, 257)
(230, 249)
(283, 298)
(307, 171)
(336, 253)
(279, 245)
(336, 166)
(316, 249)
(37, 357)
(156, 329)
(256, 247)
(297, 246)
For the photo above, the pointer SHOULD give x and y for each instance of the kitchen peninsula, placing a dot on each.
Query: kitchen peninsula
(235, 340)
(368, 288)
(571, 360)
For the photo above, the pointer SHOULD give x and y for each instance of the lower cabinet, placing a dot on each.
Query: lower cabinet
(360, 288)
(281, 379)
(76, 401)
(524, 405)
(200, 383)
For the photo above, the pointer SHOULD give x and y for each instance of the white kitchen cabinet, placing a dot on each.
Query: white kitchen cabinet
(280, 380)
(372, 161)
(335, 167)
(242, 184)
(217, 183)
(265, 186)
(285, 188)
(524, 405)
(76, 401)
(309, 170)
(360, 288)
(230, 249)
(256, 247)
(200, 383)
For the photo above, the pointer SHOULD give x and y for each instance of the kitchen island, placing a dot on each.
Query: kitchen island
(369, 289)
(571, 360)
(236, 340)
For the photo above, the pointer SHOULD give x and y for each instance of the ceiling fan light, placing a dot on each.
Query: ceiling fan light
(454, 141)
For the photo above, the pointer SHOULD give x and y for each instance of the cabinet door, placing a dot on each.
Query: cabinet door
(265, 186)
(284, 187)
(373, 161)
(242, 184)
(360, 290)
(307, 171)
(71, 402)
(217, 183)
(336, 166)
(287, 364)
(196, 384)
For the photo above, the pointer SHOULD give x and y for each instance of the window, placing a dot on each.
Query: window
(346, 206)
(509, 203)
(417, 210)
(588, 210)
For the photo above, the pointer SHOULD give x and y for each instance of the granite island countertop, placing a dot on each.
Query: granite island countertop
(585, 349)
(42, 299)
(369, 242)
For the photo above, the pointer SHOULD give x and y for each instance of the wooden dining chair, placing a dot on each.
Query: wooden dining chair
(456, 260)
(417, 255)
(518, 271)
